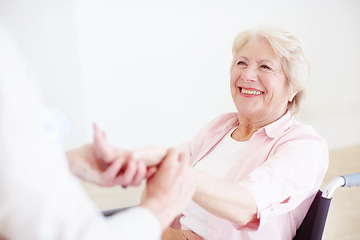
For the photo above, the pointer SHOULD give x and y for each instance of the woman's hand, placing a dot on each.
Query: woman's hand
(151, 155)
(172, 234)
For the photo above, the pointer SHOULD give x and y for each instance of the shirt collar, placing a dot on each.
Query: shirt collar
(233, 121)
(278, 127)
(273, 129)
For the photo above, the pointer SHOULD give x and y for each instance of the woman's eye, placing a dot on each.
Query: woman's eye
(265, 67)
(241, 63)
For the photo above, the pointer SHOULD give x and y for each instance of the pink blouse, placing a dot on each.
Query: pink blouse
(282, 166)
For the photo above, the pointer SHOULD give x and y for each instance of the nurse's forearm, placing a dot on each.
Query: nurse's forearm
(223, 199)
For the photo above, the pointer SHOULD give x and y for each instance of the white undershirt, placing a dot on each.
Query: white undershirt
(217, 163)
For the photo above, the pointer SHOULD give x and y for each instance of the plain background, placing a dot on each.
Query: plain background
(154, 72)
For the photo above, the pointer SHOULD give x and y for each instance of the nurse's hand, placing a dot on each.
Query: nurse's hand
(170, 189)
(105, 165)
(172, 234)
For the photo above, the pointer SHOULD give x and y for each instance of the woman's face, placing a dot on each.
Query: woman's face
(259, 86)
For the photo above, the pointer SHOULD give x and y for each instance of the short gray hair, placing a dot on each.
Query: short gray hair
(290, 49)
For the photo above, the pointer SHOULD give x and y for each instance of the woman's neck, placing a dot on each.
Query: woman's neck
(248, 125)
(243, 133)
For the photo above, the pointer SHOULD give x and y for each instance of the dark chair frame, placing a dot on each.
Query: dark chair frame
(312, 227)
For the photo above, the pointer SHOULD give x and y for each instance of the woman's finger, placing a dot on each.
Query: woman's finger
(140, 174)
(127, 174)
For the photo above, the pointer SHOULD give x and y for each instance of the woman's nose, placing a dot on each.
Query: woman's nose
(249, 74)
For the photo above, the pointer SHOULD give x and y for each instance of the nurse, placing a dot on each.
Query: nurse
(41, 199)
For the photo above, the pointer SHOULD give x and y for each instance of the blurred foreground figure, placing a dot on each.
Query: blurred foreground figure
(41, 199)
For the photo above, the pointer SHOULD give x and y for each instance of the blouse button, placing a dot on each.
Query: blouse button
(213, 227)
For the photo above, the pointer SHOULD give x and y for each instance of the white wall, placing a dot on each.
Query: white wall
(46, 33)
(154, 72)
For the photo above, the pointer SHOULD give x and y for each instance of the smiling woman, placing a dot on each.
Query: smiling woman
(262, 153)
(257, 170)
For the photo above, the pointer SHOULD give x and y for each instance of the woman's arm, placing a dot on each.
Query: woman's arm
(224, 199)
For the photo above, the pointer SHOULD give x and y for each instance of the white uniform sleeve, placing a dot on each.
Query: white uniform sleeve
(39, 198)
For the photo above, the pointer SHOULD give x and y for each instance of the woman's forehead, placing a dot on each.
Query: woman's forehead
(260, 51)
(259, 47)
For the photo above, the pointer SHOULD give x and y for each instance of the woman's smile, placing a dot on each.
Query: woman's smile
(250, 92)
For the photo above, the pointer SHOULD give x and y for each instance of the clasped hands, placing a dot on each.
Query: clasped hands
(105, 165)
(170, 181)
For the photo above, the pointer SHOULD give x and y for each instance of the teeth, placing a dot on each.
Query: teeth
(251, 92)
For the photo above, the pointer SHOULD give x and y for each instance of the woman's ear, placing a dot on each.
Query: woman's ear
(292, 95)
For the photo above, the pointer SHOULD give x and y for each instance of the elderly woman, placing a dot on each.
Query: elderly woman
(257, 170)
